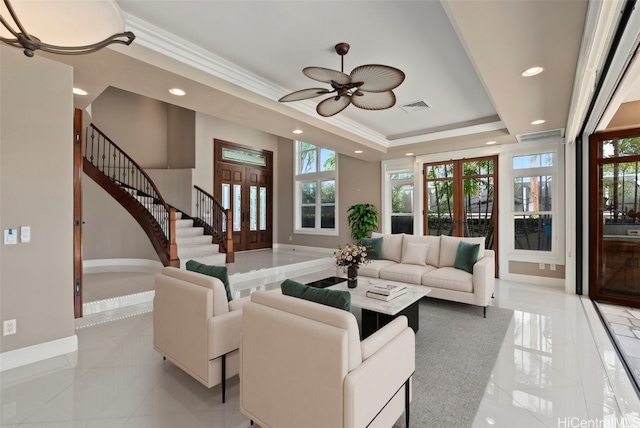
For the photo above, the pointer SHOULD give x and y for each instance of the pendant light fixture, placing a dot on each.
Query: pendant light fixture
(67, 27)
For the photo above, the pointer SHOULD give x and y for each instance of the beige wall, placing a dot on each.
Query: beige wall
(209, 128)
(533, 269)
(138, 125)
(627, 116)
(109, 231)
(181, 137)
(358, 182)
(175, 186)
(36, 165)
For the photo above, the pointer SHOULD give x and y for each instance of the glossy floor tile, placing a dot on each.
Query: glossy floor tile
(624, 325)
(556, 367)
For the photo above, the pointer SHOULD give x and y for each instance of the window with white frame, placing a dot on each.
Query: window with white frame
(534, 207)
(316, 184)
(401, 201)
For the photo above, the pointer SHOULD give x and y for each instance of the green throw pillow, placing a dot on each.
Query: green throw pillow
(336, 298)
(219, 272)
(466, 256)
(374, 247)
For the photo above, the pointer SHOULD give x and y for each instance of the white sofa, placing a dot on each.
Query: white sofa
(302, 364)
(195, 327)
(399, 262)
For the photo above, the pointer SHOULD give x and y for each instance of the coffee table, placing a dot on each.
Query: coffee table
(378, 313)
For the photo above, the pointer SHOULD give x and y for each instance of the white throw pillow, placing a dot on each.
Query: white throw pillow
(415, 254)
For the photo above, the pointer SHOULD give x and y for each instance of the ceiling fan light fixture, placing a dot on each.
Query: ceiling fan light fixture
(58, 27)
(368, 87)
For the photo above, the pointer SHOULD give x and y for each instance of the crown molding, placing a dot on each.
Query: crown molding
(185, 52)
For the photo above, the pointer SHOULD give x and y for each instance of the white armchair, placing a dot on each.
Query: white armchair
(302, 364)
(195, 327)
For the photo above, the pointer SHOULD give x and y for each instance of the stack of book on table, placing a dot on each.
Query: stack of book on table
(386, 292)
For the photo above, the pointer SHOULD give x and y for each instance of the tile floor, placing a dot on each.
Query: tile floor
(556, 368)
(625, 326)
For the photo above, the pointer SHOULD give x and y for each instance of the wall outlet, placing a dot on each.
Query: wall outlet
(9, 327)
(541, 266)
(552, 267)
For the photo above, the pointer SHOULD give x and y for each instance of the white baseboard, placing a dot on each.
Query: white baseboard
(304, 249)
(91, 266)
(42, 351)
(537, 280)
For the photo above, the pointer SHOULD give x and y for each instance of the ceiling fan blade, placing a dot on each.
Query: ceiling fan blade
(304, 94)
(326, 75)
(377, 78)
(374, 100)
(331, 106)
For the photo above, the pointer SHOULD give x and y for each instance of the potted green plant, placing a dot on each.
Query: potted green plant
(363, 218)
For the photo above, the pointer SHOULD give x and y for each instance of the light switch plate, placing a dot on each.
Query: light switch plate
(25, 234)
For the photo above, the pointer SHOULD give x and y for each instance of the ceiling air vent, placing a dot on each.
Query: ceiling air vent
(415, 106)
(552, 134)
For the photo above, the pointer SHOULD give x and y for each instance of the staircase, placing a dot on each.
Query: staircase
(176, 237)
(191, 240)
(193, 244)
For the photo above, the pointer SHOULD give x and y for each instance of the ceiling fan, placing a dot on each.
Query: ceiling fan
(368, 87)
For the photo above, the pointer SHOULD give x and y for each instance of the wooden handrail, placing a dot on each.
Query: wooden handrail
(138, 167)
(159, 222)
(217, 220)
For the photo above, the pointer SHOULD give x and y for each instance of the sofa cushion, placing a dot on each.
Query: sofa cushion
(374, 247)
(449, 248)
(433, 255)
(336, 298)
(414, 253)
(391, 245)
(219, 272)
(449, 278)
(411, 274)
(466, 256)
(373, 268)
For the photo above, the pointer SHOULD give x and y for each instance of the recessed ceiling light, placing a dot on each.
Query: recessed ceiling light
(538, 122)
(79, 91)
(298, 131)
(358, 151)
(490, 143)
(177, 91)
(532, 71)
(409, 154)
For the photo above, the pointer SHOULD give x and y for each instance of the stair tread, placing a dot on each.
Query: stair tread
(197, 245)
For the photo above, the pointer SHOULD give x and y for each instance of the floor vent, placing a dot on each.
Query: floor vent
(552, 134)
(415, 106)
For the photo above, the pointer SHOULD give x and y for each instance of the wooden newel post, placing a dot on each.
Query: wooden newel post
(173, 247)
(229, 237)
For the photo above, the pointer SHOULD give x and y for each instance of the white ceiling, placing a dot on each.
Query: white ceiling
(464, 58)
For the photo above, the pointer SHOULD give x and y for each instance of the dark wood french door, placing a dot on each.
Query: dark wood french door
(243, 184)
(614, 217)
(461, 199)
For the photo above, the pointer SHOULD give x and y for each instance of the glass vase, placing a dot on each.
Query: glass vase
(352, 276)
